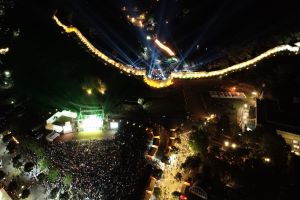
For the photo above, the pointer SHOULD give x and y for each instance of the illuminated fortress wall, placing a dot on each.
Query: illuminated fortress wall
(174, 75)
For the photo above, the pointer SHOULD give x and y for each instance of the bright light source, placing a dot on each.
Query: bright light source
(92, 123)
(114, 125)
(266, 159)
(245, 105)
(89, 91)
(248, 129)
(15, 140)
(226, 143)
(186, 183)
(172, 159)
(7, 73)
(254, 93)
(148, 37)
(68, 127)
(102, 90)
(233, 145)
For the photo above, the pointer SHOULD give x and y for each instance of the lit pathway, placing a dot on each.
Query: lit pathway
(168, 183)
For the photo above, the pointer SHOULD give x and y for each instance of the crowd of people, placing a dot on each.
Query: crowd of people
(104, 169)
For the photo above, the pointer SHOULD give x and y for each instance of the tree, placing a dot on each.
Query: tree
(224, 123)
(2, 175)
(41, 177)
(157, 173)
(191, 162)
(28, 166)
(178, 176)
(43, 164)
(53, 175)
(25, 193)
(16, 158)
(68, 179)
(16, 161)
(64, 196)
(176, 194)
(199, 142)
(11, 147)
(6, 138)
(12, 186)
(17, 164)
(54, 193)
(39, 153)
(157, 192)
(34, 147)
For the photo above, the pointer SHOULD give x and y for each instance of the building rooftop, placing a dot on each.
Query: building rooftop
(280, 115)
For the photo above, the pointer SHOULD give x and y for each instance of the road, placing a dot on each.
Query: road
(168, 183)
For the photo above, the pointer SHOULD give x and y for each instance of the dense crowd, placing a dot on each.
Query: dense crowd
(104, 169)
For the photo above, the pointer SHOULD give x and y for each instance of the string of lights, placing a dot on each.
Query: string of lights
(127, 68)
(239, 66)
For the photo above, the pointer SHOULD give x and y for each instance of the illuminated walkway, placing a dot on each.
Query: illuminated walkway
(174, 75)
(168, 184)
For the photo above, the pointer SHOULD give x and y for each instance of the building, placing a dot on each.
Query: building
(4, 195)
(246, 117)
(62, 122)
(284, 117)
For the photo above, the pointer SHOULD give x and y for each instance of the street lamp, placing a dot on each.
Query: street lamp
(233, 145)
(254, 93)
(233, 89)
(7, 73)
(89, 91)
(226, 143)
